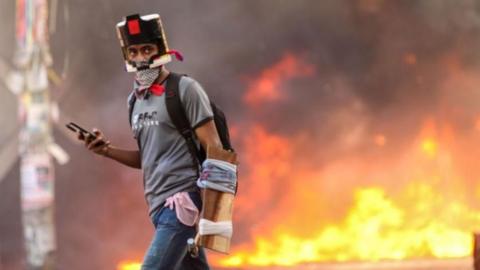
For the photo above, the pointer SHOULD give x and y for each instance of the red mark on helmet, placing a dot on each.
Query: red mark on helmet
(133, 27)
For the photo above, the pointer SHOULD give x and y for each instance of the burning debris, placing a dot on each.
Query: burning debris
(401, 208)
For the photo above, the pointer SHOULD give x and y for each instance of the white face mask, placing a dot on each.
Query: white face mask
(146, 77)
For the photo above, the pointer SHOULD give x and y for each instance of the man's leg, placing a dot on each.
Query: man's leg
(168, 249)
(198, 263)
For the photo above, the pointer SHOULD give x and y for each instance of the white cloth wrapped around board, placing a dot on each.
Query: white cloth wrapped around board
(218, 175)
(223, 228)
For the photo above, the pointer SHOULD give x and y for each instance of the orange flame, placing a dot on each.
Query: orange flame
(429, 147)
(419, 220)
(380, 140)
(375, 228)
(410, 204)
(129, 265)
(267, 87)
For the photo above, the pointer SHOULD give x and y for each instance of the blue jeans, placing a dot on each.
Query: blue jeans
(168, 249)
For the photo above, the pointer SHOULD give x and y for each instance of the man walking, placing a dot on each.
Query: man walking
(170, 172)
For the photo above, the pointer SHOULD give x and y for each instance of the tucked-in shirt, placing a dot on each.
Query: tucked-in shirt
(167, 164)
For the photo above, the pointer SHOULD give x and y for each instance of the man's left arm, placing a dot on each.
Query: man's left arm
(200, 114)
(207, 135)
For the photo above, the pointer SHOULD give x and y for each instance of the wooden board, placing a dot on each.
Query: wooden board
(217, 205)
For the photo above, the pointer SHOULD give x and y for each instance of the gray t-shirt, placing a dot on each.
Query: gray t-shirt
(167, 164)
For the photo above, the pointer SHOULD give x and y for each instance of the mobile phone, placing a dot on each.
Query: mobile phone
(78, 129)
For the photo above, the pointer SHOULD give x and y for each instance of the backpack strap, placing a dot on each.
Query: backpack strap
(222, 127)
(131, 103)
(177, 114)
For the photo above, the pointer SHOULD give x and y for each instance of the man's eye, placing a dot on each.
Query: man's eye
(132, 52)
(147, 50)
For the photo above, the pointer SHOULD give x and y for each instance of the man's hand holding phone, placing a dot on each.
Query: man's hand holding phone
(94, 141)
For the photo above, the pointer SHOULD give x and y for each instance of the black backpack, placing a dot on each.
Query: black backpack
(179, 118)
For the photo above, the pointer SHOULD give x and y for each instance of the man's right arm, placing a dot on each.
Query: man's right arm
(102, 147)
(130, 158)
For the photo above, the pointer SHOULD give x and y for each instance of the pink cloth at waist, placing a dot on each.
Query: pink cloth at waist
(185, 209)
